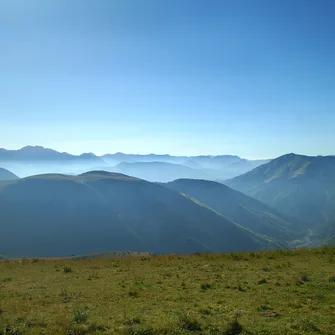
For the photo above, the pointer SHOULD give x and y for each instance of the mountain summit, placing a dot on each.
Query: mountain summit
(301, 186)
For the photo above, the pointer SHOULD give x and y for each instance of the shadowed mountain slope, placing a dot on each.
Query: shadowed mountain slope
(239, 208)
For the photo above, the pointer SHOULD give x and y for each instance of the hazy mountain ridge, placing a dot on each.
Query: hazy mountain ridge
(38, 153)
(158, 171)
(161, 171)
(33, 160)
(57, 215)
(301, 186)
(197, 162)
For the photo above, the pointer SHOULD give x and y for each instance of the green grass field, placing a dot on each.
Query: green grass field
(275, 292)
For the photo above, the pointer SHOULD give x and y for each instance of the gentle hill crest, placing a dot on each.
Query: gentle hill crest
(7, 175)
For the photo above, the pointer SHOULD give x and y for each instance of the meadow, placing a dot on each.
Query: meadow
(273, 292)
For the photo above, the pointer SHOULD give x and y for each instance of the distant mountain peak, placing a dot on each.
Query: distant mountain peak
(298, 185)
(35, 149)
(32, 147)
(293, 155)
(88, 154)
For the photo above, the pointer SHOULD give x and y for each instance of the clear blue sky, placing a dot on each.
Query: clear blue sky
(249, 77)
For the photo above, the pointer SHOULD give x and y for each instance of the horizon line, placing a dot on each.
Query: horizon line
(161, 154)
(138, 154)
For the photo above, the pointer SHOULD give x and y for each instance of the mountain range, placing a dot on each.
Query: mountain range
(60, 215)
(38, 153)
(32, 160)
(287, 202)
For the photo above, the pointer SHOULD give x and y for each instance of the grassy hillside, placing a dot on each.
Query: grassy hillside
(300, 186)
(58, 215)
(7, 175)
(269, 293)
(239, 208)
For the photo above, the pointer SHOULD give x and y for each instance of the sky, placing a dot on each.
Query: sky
(254, 78)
